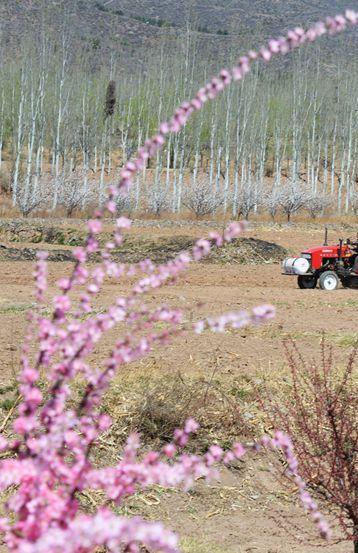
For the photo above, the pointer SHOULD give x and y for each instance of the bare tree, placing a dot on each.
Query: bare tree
(33, 198)
(61, 108)
(319, 412)
(201, 199)
(317, 203)
(293, 198)
(73, 196)
(157, 200)
(248, 199)
(272, 202)
(19, 137)
(354, 202)
(124, 203)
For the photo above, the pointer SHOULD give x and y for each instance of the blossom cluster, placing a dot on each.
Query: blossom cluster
(48, 461)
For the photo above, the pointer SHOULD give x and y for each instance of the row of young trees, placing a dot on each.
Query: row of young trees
(198, 199)
(67, 124)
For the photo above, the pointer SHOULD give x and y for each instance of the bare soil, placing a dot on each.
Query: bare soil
(249, 510)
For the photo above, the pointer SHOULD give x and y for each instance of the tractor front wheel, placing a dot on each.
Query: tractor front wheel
(307, 282)
(329, 281)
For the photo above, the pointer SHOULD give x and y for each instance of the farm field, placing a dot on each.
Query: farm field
(249, 510)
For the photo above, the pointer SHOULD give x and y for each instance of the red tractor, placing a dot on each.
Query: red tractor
(325, 265)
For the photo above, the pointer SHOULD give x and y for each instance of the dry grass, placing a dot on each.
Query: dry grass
(154, 404)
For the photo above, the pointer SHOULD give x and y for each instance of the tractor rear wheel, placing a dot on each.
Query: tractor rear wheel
(329, 281)
(307, 282)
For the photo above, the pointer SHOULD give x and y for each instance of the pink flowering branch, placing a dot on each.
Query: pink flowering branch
(51, 453)
(236, 320)
(168, 468)
(105, 529)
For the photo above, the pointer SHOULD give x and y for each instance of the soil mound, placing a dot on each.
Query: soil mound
(161, 250)
(249, 251)
(38, 232)
(29, 254)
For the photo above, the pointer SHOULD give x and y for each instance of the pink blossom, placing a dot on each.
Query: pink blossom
(199, 327)
(80, 254)
(244, 64)
(201, 249)
(33, 397)
(104, 529)
(41, 255)
(111, 206)
(265, 54)
(24, 425)
(237, 73)
(64, 284)
(228, 457)
(352, 16)
(94, 226)
(169, 450)
(274, 46)
(164, 128)
(217, 238)
(196, 104)
(225, 76)
(191, 426)
(124, 185)
(130, 166)
(123, 223)
(29, 376)
(40, 275)
(233, 230)
(104, 422)
(284, 45)
(62, 303)
(113, 191)
(216, 452)
(159, 140)
(80, 274)
(264, 312)
(238, 450)
(92, 245)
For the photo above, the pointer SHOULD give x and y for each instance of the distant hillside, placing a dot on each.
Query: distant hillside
(231, 15)
(132, 26)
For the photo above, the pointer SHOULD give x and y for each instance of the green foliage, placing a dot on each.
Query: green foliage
(6, 404)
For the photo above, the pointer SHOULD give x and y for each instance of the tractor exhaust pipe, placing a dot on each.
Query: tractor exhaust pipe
(340, 252)
(325, 243)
